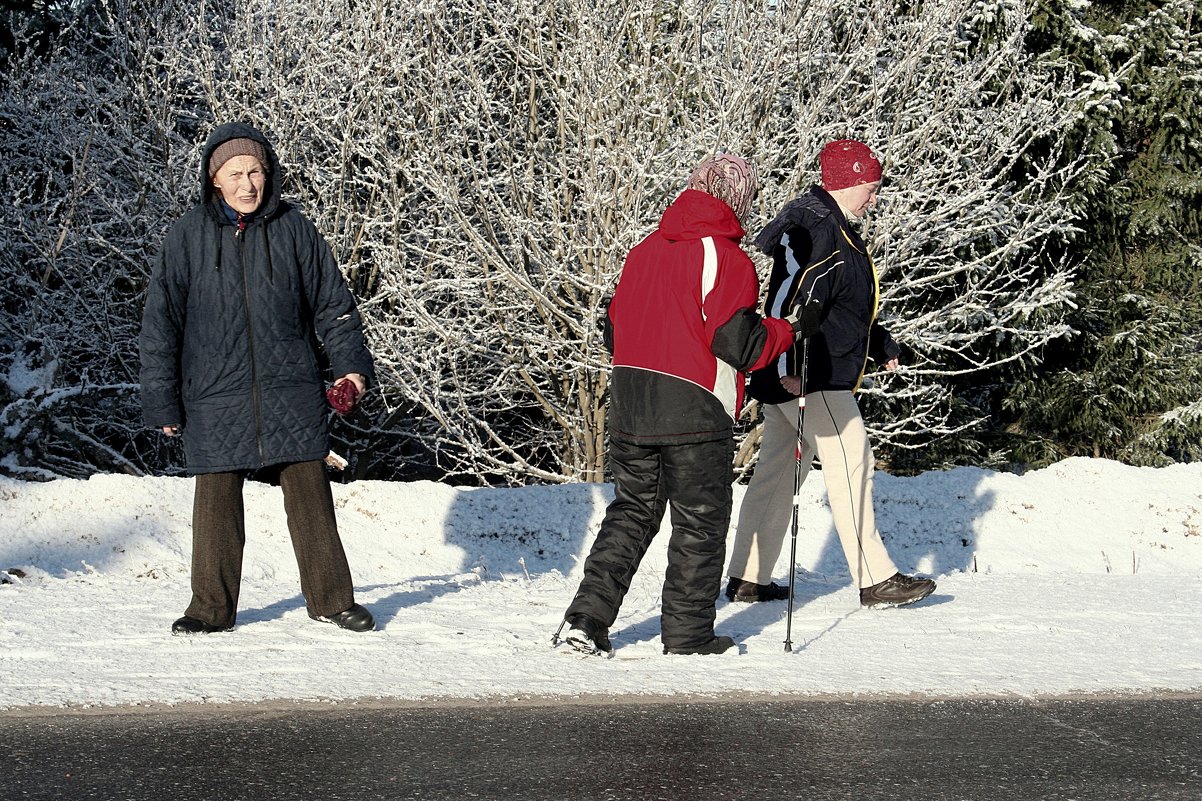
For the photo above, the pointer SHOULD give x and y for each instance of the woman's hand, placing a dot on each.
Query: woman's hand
(355, 378)
(792, 384)
(344, 394)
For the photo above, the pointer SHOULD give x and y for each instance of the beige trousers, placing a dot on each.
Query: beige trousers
(835, 431)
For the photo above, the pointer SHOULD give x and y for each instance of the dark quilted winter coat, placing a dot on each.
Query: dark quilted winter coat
(231, 328)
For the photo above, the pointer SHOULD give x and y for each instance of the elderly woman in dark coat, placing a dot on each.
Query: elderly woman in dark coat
(243, 291)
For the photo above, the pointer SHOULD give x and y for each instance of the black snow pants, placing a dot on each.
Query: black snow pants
(695, 481)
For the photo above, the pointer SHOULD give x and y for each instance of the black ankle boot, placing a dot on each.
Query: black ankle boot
(717, 645)
(587, 635)
(353, 618)
(190, 625)
(741, 591)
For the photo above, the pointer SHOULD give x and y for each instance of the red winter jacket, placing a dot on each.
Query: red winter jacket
(685, 329)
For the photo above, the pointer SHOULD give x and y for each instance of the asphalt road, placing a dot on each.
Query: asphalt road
(1128, 749)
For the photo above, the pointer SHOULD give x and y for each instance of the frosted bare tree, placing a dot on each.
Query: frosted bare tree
(482, 168)
(84, 190)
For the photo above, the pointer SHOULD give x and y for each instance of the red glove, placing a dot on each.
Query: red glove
(343, 396)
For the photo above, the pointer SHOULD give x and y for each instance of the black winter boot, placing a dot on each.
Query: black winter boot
(190, 625)
(717, 645)
(353, 618)
(742, 591)
(587, 635)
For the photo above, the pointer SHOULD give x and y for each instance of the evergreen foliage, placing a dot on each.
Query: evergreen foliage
(1128, 384)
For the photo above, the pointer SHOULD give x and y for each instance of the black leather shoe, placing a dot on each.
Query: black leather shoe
(587, 635)
(353, 618)
(717, 645)
(747, 592)
(190, 625)
(897, 590)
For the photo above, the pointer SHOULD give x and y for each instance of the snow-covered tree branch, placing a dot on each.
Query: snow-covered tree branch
(481, 170)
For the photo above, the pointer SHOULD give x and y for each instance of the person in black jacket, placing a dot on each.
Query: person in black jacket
(242, 293)
(823, 273)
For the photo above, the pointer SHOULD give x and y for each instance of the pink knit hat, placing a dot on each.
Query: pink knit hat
(729, 178)
(847, 162)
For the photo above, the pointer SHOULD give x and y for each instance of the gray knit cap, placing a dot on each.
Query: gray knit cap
(236, 147)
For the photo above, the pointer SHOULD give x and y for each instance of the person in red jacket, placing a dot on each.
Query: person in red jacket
(683, 330)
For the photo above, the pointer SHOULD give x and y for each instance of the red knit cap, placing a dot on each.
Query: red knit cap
(847, 162)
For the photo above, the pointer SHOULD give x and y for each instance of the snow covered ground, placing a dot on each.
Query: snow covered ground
(1085, 577)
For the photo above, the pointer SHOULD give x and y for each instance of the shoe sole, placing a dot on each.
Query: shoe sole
(201, 633)
(686, 652)
(743, 600)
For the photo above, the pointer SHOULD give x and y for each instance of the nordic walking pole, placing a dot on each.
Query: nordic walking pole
(800, 445)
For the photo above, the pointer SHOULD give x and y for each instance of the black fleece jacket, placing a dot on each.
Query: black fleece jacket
(821, 266)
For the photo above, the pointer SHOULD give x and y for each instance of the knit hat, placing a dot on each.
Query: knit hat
(729, 178)
(236, 147)
(847, 163)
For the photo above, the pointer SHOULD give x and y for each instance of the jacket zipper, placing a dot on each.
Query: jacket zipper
(250, 338)
(876, 302)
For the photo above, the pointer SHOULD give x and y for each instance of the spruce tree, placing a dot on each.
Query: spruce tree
(1128, 385)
